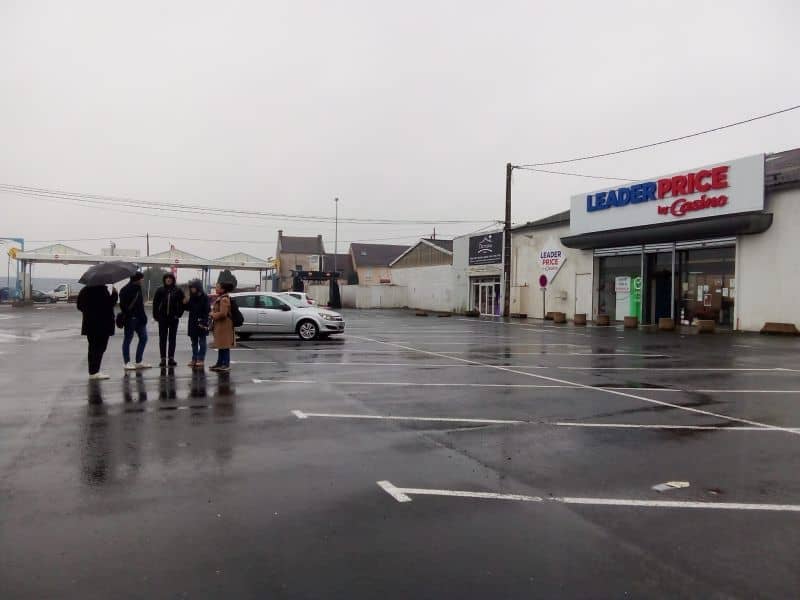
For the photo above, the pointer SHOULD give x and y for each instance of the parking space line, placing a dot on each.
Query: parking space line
(367, 364)
(305, 415)
(606, 390)
(518, 385)
(404, 495)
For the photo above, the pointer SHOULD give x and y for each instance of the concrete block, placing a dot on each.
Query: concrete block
(559, 317)
(666, 324)
(549, 316)
(631, 322)
(780, 329)
(580, 319)
(706, 326)
(602, 320)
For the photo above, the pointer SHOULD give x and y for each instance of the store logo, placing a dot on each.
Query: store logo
(486, 246)
(698, 182)
(681, 206)
(550, 258)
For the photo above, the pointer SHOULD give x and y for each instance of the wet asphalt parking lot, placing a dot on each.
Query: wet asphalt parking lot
(417, 457)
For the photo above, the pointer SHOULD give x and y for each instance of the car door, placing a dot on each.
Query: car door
(273, 316)
(248, 305)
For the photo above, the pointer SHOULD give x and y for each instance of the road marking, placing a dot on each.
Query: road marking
(305, 415)
(517, 385)
(370, 364)
(657, 368)
(606, 390)
(653, 426)
(404, 495)
(12, 336)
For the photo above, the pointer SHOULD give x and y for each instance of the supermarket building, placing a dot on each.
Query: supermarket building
(716, 242)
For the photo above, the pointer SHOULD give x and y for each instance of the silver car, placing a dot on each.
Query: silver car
(266, 312)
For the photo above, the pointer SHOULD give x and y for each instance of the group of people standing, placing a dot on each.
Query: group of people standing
(169, 305)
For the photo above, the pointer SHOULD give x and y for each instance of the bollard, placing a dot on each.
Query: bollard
(706, 326)
(666, 324)
(631, 322)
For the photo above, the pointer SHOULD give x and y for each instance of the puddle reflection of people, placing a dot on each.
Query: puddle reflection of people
(166, 384)
(141, 389)
(111, 442)
(198, 386)
(223, 398)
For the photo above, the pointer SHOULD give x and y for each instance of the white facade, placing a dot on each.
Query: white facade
(767, 267)
(464, 273)
(570, 291)
(428, 288)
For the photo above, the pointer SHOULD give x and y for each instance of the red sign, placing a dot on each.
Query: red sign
(681, 206)
(543, 281)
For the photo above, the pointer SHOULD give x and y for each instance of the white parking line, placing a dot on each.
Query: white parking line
(305, 415)
(606, 390)
(367, 364)
(521, 386)
(404, 495)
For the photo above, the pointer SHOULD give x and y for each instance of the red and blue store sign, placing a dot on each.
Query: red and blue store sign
(704, 182)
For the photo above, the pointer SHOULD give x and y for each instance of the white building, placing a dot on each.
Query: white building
(715, 242)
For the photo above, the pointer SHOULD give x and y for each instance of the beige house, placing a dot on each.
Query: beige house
(295, 253)
(371, 262)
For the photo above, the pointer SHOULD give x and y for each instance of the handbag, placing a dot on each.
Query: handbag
(122, 316)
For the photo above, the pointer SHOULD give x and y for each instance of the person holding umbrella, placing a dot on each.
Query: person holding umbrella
(97, 306)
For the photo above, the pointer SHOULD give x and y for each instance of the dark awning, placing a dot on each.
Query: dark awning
(696, 229)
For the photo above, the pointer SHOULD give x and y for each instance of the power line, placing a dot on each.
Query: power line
(661, 142)
(524, 168)
(99, 200)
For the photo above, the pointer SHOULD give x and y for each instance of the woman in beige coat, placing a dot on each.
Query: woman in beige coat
(222, 323)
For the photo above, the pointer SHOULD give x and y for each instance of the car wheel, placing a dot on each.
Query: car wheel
(307, 330)
(244, 336)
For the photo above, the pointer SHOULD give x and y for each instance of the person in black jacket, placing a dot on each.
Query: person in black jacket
(97, 306)
(199, 309)
(167, 310)
(131, 302)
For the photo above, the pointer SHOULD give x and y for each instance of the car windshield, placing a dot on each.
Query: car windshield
(292, 301)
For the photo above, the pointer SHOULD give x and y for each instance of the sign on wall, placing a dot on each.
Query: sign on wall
(551, 259)
(721, 189)
(486, 249)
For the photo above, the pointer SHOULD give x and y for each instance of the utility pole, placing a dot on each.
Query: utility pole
(336, 235)
(148, 243)
(507, 246)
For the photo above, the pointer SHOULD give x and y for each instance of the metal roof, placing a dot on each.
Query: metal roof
(375, 255)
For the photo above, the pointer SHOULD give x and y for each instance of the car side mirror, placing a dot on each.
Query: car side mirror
(286, 307)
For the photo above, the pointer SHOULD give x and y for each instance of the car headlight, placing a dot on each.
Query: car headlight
(331, 317)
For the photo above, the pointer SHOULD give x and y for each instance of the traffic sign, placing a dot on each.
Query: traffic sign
(543, 281)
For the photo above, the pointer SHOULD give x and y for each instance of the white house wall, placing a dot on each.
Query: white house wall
(526, 295)
(767, 267)
(429, 288)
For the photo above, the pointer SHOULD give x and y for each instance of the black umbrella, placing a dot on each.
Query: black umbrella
(108, 272)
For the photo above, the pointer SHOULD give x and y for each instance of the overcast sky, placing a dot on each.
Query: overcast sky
(403, 110)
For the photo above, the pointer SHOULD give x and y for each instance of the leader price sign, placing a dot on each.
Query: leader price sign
(551, 259)
(486, 249)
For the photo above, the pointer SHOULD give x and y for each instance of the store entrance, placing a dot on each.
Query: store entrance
(486, 295)
(659, 288)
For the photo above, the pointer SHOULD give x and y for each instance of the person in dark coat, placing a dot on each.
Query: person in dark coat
(167, 311)
(197, 305)
(97, 306)
(131, 302)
